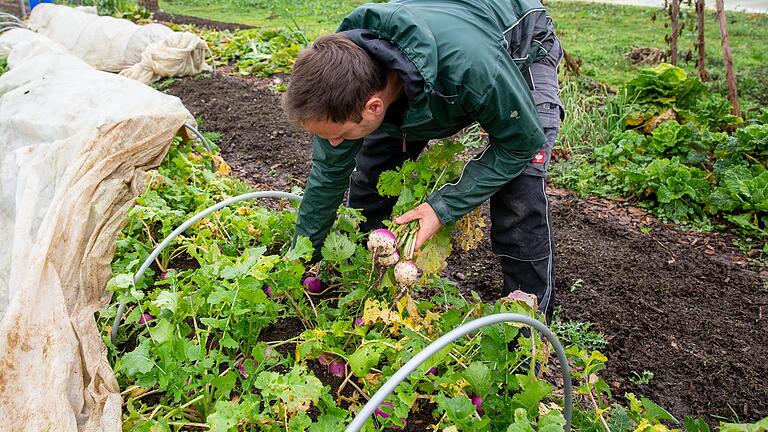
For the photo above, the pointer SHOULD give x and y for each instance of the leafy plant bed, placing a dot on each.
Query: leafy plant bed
(196, 348)
(625, 272)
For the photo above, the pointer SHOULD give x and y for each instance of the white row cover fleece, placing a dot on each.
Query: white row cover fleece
(75, 144)
(145, 53)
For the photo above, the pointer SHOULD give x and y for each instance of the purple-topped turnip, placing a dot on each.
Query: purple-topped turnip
(477, 401)
(337, 368)
(382, 242)
(381, 413)
(145, 318)
(313, 284)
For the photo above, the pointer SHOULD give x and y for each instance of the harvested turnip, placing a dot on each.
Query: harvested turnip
(389, 260)
(382, 242)
(406, 273)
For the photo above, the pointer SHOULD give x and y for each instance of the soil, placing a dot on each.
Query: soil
(257, 140)
(682, 305)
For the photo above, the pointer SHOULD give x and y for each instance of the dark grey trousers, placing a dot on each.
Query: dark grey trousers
(521, 232)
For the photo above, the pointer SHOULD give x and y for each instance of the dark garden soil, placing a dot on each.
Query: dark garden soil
(683, 306)
(257, 140)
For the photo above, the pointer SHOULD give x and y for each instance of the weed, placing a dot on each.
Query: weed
(642, 378)
(577, 284)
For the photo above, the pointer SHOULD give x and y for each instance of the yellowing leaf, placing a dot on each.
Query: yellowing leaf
(223, 168)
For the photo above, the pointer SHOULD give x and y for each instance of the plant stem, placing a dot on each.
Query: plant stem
(174, 411)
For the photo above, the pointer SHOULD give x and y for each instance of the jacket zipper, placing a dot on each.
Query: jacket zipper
(405, 141)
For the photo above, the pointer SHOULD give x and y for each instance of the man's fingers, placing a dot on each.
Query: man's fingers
(406, 217)
(420, 239)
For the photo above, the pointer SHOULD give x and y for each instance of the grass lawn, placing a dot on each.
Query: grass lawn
(597, 34)
(313, 17)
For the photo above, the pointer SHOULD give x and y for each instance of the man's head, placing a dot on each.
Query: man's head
(335, 90)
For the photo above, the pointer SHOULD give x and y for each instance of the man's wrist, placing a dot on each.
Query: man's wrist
(440, 207)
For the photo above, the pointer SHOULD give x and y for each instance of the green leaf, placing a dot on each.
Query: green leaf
(244, 265)
(390, 183)
(228, 342)
(532, 394)
(214, 323)
(521, 422)
(226, 416)
(695, 425)
(167, 300)
(224, 384)
(457, 408)
(760, 426)
(433, 255)
(478, 375)
(553, 421)
(120, 282)
(302, 249)
(137, 361)
(337, 247)
(356, 295)
(328, 423)
(299, 423)
(162, 331)
(655, 411)
(365, 357)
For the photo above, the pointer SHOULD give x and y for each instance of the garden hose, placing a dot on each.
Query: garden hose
(377, 399)
(6, 16)
(182, 228)
(199, 135)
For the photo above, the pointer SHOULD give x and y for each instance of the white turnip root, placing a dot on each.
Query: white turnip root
(389, 260)
(382, 242)
(406, 274)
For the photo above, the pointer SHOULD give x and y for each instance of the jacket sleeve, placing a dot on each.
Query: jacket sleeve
(508, 114)
(328, 180)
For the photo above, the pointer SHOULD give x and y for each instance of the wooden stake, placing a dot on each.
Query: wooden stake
(732, 91)
(701, 63)
(675, 31)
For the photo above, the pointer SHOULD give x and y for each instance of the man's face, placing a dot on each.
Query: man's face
(336, 133)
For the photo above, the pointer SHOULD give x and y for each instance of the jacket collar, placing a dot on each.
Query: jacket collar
(396, 37)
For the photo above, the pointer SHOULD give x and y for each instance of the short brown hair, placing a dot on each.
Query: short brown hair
(332, 80)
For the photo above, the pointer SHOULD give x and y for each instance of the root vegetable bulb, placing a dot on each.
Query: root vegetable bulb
(477, 401)
(337, 368)
(313, 284)
(382, 242)
(389, 260)
(379, 412)
(406, 273)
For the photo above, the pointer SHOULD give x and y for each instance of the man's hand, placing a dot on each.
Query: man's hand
(429, 223)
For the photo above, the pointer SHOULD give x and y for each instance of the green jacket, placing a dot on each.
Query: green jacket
(458, 68)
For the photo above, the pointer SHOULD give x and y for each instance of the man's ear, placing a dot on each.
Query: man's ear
(374, 108)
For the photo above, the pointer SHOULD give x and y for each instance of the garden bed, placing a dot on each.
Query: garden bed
(685, 309)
